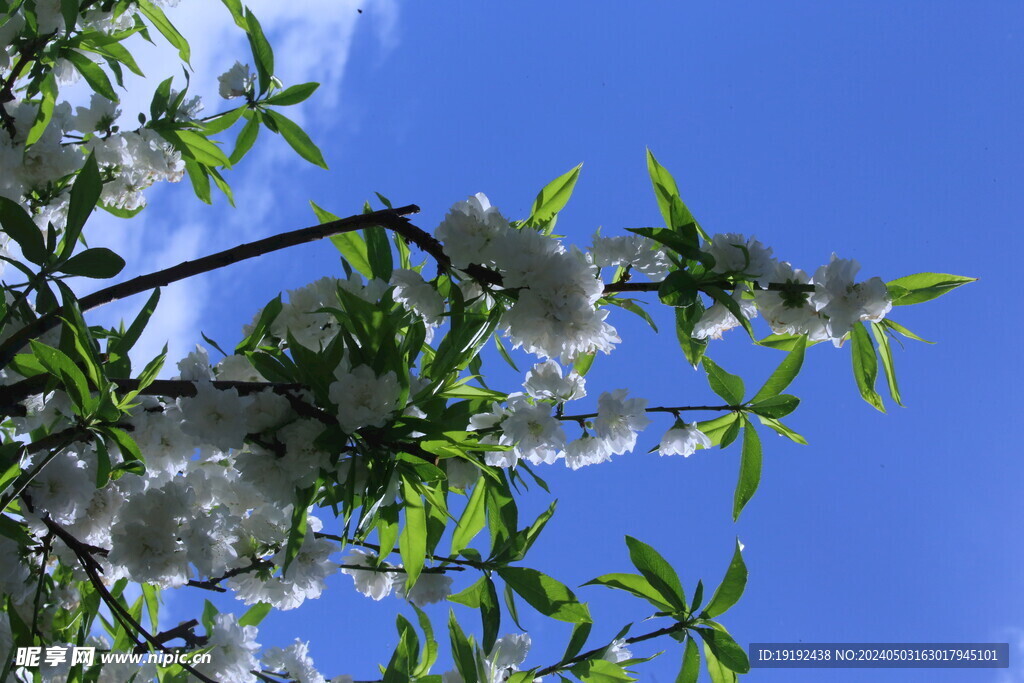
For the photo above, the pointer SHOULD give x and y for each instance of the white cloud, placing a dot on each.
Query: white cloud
(312, 40)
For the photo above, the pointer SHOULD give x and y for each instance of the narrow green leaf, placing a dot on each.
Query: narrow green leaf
(255, 614)
(548, 596)
(157, 17)
(916, 289)
(472, 520)
(782, 429)
(732, 586)
(262, 53)
(636, 585)
(58, 364)
(750, 470)
(299, 524)
(732, 305)
(19, 227)
(600, 671)
(896, 327)
(48, 89)
(691, 663)
(92, 73)
(865, 365)
(351, 244)
(686, 318)
(429, 656)
(222, 122)
(728, 386)
(297, 138)
(553, 197)
(245, 140)
(293, 95)
(462, 650)
(412, 542)
(580, 633)
(196, 146)
(658, 572)
(378, 251)
(783, 375)
(85, 193)
(888, 363)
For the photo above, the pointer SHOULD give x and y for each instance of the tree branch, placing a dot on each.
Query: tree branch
(390, 218)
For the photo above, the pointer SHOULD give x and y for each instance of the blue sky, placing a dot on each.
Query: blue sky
(889, 134)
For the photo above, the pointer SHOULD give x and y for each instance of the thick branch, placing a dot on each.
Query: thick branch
(390, 218)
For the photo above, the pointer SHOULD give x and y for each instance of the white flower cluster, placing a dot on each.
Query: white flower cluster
(504, 659)
(430, 587)
(555, 314)
(829, 312)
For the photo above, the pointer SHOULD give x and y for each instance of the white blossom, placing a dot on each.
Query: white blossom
(683, 441)
(372, 584)
(236, 81)
(363, 398)
(545, 381)
(619, 419)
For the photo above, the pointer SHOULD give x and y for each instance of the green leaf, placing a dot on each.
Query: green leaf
(636, 585)
(92, 73)
(580, 633)
(686, 318)
(726, 650)
(783, 375)
(222, 122)
(293, 95)
(297, 138)
(658, 572)
(19, 227)
(429, 656)
(865, 365)
(783, 342)
(196, 146)
(262, 53)
(691, 663)
(255, 614)
(58, 364)
(200, 180)
(665, 190)
(262, 326)
(125, 443)
(237, 13)
(351, 244)
(157, 17)
(84, 195)
(732, 305)
(472, 520)
(548, 596)
(600, 671)
(728, 386)
(916, 289)
(888, 363)
(732, 586)
(299, 524)
(48, 89)
(896, 327)
(378, 251)
(462, 650)
(553, 198)
(685, 244)
(719, 673)
(412, 542)
(400, 667)
(776, 406)
(245, 140)
(782, 429)
(750, 470)
(98, 263)
(678, 289)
